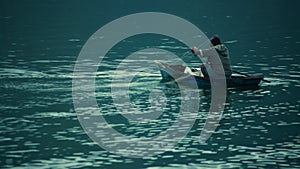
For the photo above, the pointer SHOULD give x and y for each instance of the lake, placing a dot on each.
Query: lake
(40, 45)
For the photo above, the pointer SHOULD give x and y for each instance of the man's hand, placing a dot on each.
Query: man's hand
(195, 51)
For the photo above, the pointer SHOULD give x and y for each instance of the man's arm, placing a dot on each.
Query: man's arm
(197, 51)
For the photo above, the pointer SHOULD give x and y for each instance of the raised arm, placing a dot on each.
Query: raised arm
(197, 51)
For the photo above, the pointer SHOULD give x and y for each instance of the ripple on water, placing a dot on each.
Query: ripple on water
(259, 127)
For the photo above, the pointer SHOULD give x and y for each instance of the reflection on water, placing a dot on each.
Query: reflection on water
(39, 127)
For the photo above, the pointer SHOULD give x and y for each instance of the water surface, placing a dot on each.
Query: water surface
(40, 42)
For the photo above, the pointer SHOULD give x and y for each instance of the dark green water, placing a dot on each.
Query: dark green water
(39, 45)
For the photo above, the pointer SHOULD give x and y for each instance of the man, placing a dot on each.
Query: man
(223, 53)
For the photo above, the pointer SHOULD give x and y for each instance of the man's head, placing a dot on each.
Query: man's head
(215, 40)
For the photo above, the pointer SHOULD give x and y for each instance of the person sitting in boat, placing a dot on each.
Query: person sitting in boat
(222, 51)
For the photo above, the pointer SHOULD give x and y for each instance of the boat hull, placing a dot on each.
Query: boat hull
(176, 72)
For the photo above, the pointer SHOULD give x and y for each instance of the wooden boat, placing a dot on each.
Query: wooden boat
(180, 72)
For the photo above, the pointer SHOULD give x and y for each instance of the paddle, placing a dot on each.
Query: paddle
(238, 71)
(234, 71)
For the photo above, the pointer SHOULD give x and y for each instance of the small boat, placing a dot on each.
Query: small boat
(180, 72)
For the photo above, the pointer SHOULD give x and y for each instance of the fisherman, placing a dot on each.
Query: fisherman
(216, 47)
